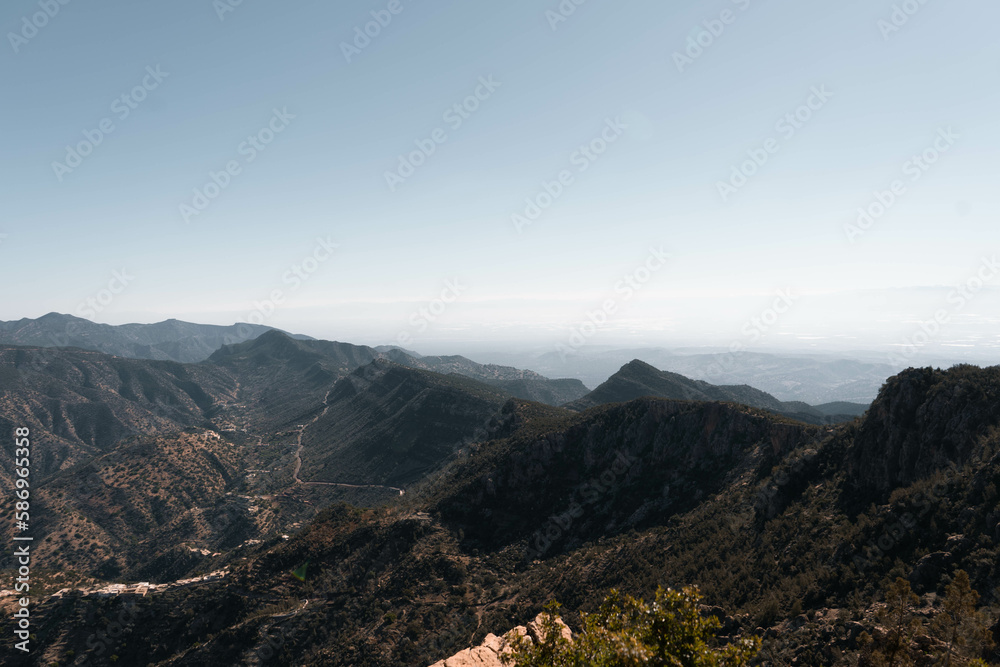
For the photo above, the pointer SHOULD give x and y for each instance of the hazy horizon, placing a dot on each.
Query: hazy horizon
(520, 350)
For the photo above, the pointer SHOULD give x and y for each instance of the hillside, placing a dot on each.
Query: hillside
(151, 509)
(85, 402)
(390, 425)
(524, 384)
(282, 379)
(637, 379)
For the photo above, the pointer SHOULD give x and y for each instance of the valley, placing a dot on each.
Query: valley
(376, 512)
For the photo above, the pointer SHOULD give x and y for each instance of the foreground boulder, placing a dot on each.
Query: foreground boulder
(489, 653)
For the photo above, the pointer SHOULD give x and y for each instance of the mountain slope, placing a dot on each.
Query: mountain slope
(282, 379)
(923, 419)
(79, 404)
(637, 379)
(171, 340)
(147, 509)
(524, 384)
(387, 424)
(551, 504)
(813, 378)
(614, 468)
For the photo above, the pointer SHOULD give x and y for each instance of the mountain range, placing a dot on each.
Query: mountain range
(637, 379)
(171, 340)
(371, 506)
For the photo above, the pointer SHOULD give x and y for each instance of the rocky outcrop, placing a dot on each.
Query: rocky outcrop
(922, 421)
(610, 469)
(490, 652)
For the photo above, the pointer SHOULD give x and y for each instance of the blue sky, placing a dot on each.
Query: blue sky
(556, 85)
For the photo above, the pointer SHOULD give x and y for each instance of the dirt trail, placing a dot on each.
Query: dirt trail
(298, 458)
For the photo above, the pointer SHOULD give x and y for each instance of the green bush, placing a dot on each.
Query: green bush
(627, 632)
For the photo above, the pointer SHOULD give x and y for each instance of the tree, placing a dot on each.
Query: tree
(961, 627)
(627, 632)
(901, 625)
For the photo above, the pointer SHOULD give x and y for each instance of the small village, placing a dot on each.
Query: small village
(140, 589)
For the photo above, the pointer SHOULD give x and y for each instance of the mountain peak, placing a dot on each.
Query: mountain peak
(638, 365)
(637, 379)
(54, 316)
(273, 336)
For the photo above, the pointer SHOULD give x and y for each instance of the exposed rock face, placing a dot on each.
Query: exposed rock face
(929, 568)
(922, 420)
(493, 647)
(606, 472)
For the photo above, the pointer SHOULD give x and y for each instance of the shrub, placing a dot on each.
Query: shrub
(627, 632)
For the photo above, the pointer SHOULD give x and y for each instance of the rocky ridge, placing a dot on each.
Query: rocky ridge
(490, 652)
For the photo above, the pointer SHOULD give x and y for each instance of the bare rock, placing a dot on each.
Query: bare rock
(489, 653)
(958, 544)
(929, 568)
(535, 629)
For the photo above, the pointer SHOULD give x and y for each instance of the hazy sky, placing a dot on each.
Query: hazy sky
(310, 114)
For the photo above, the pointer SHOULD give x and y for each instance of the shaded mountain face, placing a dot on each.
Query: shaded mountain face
(615, 468)
(171, 340)
(80, 404)
(637, 379)
(922, 420)
(86, 402)
(390, 425)
(282, 379)
(524, 384)
(790, 377)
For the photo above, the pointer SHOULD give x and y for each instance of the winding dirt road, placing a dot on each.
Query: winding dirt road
(298, 458)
